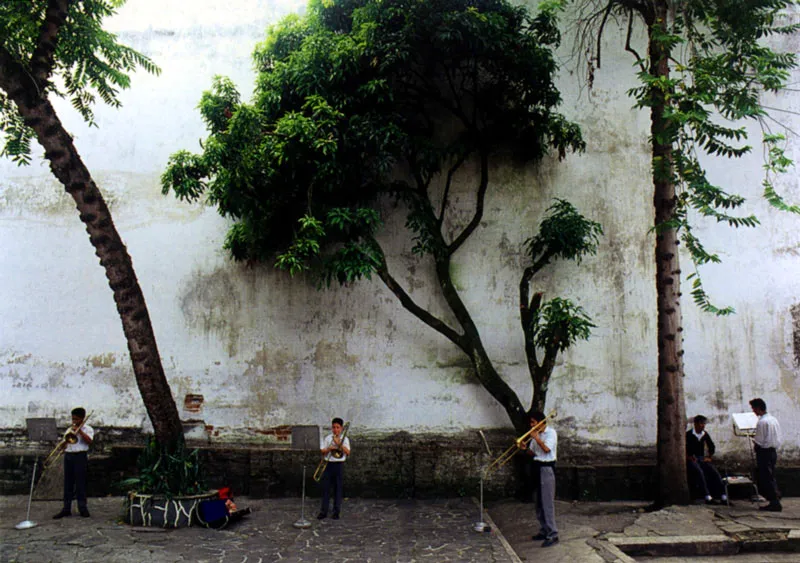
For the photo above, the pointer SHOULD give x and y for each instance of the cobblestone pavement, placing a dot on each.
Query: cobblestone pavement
(369, 531)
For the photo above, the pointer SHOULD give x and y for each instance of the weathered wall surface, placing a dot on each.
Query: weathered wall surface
(247, 349)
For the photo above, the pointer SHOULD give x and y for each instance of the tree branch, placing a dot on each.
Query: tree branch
(43, 56)
(527, 308)
(476, 219)
(446, 193)
(411, 306)
(14, 79)
(600, 30)
(628, 43)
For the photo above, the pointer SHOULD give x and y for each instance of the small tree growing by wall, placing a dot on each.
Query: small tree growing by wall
(363, 100)
(555, 325)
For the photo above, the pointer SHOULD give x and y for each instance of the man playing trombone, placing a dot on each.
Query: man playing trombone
(542, 448)
(335, 448)
(76, 442)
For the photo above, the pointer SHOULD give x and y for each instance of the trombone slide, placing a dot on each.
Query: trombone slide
(520, 443)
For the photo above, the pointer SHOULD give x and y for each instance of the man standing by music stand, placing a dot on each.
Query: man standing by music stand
(767, 440)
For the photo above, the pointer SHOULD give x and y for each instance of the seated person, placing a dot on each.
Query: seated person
(703, 476)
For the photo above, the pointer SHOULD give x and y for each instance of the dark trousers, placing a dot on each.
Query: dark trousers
(75, 470)
(704, 478)
(333, 478)
(766, 458)
(545, 496)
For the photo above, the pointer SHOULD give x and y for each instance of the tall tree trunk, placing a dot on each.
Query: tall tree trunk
(672, 483)
(70, 170)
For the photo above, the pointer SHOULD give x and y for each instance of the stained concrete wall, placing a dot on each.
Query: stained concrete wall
(247, 349)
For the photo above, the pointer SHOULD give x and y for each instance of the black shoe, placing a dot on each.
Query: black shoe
(335, 516)
(771, 508)
(85, 512)
(322, 515)
(62, 514)
(539, 536)
(551, 541)
(712, 501)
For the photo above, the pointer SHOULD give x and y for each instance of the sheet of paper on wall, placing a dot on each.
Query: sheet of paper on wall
(744, 423)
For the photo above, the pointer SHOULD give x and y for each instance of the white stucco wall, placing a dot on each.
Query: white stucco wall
(265, 350)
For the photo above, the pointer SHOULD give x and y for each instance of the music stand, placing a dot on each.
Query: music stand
(302, 436)
(744, 424)
(39, 430)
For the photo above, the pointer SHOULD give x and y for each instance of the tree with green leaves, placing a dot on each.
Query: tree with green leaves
(553, 326)
(59, 48)
(707, 64)
(363, 101)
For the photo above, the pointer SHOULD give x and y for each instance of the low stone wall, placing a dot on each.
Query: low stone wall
(401, 465)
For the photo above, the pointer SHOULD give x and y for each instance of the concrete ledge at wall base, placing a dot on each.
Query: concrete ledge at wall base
(793, 541)
(762, 540)
(745, 541)
(609, 552)
(676, 546)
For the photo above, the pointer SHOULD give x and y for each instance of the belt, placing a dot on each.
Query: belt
(544, 463)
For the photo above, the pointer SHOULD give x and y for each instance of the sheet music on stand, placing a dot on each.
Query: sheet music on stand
(744, 423)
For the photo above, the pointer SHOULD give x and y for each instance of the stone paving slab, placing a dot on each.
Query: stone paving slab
(587, 530)
(405, 531)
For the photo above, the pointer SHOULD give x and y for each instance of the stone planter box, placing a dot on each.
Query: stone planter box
(157, 511)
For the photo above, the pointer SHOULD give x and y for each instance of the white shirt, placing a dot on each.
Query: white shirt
(81, 445)
(327, 442)
(550, 439)
(768, 431)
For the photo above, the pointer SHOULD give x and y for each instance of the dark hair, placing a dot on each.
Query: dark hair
(700, 419)
(759, 404)
(337, 420)
(80, 412)
(538, 416)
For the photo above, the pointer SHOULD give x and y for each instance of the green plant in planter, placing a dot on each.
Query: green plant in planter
(169, 472)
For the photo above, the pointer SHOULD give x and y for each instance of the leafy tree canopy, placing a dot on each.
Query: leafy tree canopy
(363, 98)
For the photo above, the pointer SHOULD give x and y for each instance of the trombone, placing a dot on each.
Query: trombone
(336, 453)
(70, 437)
(520, 443)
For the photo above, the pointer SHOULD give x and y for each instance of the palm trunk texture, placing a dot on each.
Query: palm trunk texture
(672, 482)
(70, 170)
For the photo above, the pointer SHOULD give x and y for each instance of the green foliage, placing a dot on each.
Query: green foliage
(17, 135)
(356, 95)
(725, 68)
(171, 472)
(564, 234)
(89, 62)
(559, 323)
